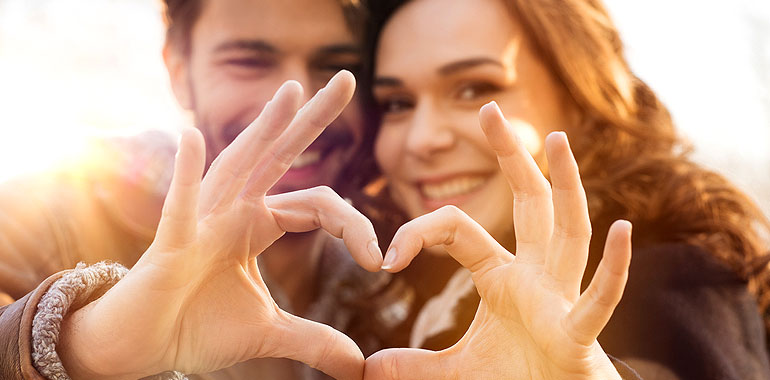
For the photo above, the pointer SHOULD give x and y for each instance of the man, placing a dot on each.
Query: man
(225, 59)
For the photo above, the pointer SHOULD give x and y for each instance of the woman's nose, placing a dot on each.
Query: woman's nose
(430, 132)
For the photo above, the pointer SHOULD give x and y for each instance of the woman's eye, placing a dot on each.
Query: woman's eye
(353, 67)
(476, 90)
(395, 105)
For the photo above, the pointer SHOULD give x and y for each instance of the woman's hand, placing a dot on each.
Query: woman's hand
(532, 322)
(195, 301)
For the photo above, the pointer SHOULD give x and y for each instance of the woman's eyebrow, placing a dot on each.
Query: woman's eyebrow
(451, 68)
(337, 49)
(387, 82)
(445, 70)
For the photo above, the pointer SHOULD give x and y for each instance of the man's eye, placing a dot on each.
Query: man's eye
(476, 90)
(249, 63)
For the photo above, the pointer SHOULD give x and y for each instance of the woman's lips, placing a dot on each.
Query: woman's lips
(453, 190)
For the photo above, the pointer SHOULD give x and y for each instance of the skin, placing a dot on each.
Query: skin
(234, 67)
(439, 61)
(532, 322)
(432, 76)
(195, 301)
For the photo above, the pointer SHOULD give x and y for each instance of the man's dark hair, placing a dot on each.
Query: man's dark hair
(180, 17)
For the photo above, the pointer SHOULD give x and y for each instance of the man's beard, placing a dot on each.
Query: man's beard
(334, 138)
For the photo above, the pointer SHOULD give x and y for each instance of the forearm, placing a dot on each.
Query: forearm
(36, 330)
(62, 346)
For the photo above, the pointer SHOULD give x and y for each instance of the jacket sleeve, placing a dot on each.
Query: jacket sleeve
(105, 205)
(16, 335)
(685, 315)
(625, 371)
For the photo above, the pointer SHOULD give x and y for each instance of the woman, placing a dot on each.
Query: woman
(690, 309)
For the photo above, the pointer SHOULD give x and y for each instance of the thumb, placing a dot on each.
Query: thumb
(317, 345)
(408, 364)
(180, 210)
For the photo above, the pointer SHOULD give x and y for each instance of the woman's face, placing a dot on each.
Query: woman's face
(438, 62)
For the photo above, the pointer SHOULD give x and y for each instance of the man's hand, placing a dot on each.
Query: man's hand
(195, 301)
(532, 322)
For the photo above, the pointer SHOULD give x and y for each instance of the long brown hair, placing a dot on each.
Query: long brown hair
(633, 164)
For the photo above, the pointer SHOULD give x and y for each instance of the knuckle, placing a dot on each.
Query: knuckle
(571, 233)
(283, 158)
(453, 212)
(602, 299)
(325, 191)
(323, 355)
(389, 365)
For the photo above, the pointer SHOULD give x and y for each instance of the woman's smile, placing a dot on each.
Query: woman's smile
(454, 189)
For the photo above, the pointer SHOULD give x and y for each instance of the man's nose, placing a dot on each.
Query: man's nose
(431, 131)
(299, 72)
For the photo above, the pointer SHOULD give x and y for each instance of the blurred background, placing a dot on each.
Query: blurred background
(70, 69)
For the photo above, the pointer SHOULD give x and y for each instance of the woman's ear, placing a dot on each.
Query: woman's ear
(177, 66)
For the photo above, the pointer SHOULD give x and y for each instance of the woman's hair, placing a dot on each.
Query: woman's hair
(632, 163)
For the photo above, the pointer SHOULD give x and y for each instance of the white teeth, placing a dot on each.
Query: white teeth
(452, 188)
(306, 159)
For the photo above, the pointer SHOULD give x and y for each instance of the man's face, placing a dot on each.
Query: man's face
(243, 50)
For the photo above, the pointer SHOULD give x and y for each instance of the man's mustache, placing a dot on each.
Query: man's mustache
(336, 135)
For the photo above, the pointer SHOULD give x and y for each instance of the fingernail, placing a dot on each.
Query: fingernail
(563, 136)
(630, 226)
(493, 105)
(390, 259)
(374, 250)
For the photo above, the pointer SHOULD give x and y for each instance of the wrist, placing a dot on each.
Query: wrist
(76, 287)
(75, 350)
(607, 370)
(72, 355)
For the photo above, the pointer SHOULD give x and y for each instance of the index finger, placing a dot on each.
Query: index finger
(231, 169)
(307, 125)
(464, 239)
(321, 207)
(532, 203)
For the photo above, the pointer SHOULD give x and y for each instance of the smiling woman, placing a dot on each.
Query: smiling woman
(550, 66)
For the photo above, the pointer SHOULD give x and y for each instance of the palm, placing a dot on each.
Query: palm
(533, 317)
(532, 321)
(196, 299)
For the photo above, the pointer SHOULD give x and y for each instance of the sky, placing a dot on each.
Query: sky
(70, 69)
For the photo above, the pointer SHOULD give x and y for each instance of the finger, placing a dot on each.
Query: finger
(407, 364)
(232, 168)
(464, 239)
(532, 206)
(596, 305)
(180, 210)
(568, 251)
(316, 345)
(321, 207)
(310, 121)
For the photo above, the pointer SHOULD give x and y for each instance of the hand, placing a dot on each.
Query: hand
(195, 301)
(532, 322)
